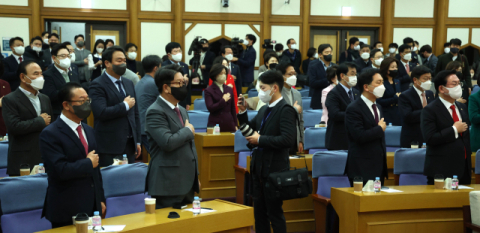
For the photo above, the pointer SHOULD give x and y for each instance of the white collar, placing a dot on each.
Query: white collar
(367, 101)
(168, 103)
(404, 64)
(446, 103)
(28, 93)
(60, 70)
(97, 55)
(16, 57)
(275, 103)
(73, 125)
(346, 88)
(79, 49)
(418, 90)
(113, 79)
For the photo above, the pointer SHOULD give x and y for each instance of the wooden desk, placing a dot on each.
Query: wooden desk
(228, 217)
(215, 162)
(418, 209)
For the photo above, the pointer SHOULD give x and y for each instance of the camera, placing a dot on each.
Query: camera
(237, 46)
(224, 3)
(196, 48)
(246, 130)
(268, 43)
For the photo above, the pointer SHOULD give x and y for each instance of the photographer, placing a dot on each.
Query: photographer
(246, 60)
(294, 54)
(206, 60)
(275, 133)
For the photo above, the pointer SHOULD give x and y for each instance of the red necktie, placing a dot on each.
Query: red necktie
(82, 139)
(19, 59)
(455, 119)
(374, 107)
(407, 67)
(179, 115)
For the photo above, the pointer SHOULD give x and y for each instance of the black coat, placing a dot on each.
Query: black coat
(348, 56)
(337, 102)
(39, 58)
(185, 71)
(317, 82)
(208, 62)
(447, 58)
(360, 64)
(445, 153)
(389, 102)
(295, 59)
(410, 108)
(10, 66)
(414, 59)
(238, 82)
(403, 76)
(54, 81)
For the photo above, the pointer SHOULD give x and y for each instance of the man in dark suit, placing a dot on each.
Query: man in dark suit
(275, 134)
(174, 52)
(337, 102)
(45, 40)
(68, 151)
(293, 54)
(351, 53)
(364, 60)
(58, 76)
(117, 123)
(246, 60)
(444, 124)
(367, 155)
(74, 68)
(411, 44)
(172, 176)
(405, 66)
(53, 39)
(376, 59)
(430, 60)
(318, 76)
(411, 103)
(10, 64)
(234, 69)
(35, 52)
(454, 55)
(81, 60)
(26, 112)
(206, 60)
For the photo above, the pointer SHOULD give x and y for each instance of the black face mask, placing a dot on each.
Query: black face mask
(80, 43)
(272, 66)
(460, 76)
(204, 49)
(179, 93)
(393, 73)
(327, 57)
(82, 111)
(119, 69)
(454, 50)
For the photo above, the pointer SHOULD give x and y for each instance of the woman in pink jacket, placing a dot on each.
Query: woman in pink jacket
(332, 79)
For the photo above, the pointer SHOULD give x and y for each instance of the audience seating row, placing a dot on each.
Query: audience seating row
(3, 158)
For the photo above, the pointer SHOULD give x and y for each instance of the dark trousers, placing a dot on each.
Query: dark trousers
(466, 177)
(106, 160)
(170, 201)
(145, 143)
(61, 224)
(267, 211)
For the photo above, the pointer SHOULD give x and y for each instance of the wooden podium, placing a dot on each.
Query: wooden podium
(215, 162)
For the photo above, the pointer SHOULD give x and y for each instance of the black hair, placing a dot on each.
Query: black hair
(353, 40)
(366, 78)
(36, 38)
(374, 51)
(108, 41)
(419, 71)
(219, 60)
(403, 47)
(376, 43)
(222, 50)
(456, 41)
(170, 46)
(323, 47)
(99, 41)
(252, 38)
(416, 42)
(288, 41)
(52, 44)
(43, 33)
(67, 43)
(22, 67)
(393, 45)
(66, 91)
(271, 77)
(166, 75)
(441, 78)
(446, 44)
(407, 40)
(129, 45)
(453, 65)
(331, 72)
(268, 56)
(55, 35)
(107, 55)
(343, 69)
(361, 44)
(216, 70)
(364, 46)
(311, 52)
(282, 67)
(56, 48)
(12, 41)
(385, 66)
(426, 48)
(150, 61)
(278, 47)
(76, 37)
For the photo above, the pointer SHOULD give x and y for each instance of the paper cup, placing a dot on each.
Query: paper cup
(150, 204)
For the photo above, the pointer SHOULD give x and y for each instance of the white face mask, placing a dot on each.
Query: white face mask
(381, 49)
(365, 56)
(65, 63)
(45, 41)
(265, 96)
(37, 83)
(292, 80)
(472, 74)
(415, 49)
(407, 56)
(73, 57)
(279, 54)
(99, 50)
(357, 47)
(229, 57)
(245, 42)
(221, 78)
(426, 85)
(133, 55)
(177, 57)
(36, 49)
(378, 62)
(446, 50)
(455, 92)
(20, 50)
(378, 91)
(293, 46)
(316, 55)
(352, 81)
(392, 50)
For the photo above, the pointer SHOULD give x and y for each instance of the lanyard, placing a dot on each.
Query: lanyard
(264, 120)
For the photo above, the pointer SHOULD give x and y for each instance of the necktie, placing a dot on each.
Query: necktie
(374, 107)
(350, 94)
(82, 139)
(65, 76)
(407, 67)
(179, 115)
(118, 82)
(455, 119)
(20, 60)
(424, 99)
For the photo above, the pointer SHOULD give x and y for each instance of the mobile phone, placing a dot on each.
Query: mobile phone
(242, 100)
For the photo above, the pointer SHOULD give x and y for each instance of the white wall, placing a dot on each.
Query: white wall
(280, 8)
(69, 31)
(95, 4)
(334, 8)
(414, 8)
(460, 33)
(151, 42)
(14, 2)
(156, 5)
(20, 29)
(283, 33)
(475, 36)
(422, 35)
(241, 30)
(207, 31)
(214, 6)
(463, 8)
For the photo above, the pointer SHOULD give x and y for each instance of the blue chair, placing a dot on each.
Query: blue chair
(306, 103)
(199, 105)
(124, 188)
(252, 93)
(251, 114)
(240, 147)
(3, 159)
(328, 168)
(199, 120)
(392, 138)
(477, 168)
(22, 201)
(304, 93)
(311, 117)
(315, 139)
(408, 166)
(242, 177)
(475, 89)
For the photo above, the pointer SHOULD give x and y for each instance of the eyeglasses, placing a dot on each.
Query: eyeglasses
(82, 101)
(180, 83)
(63, 56)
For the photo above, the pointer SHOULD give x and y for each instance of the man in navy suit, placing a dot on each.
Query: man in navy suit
(246, 60)
(367, 155)
(174, 52)
(411, 103)
(10, 64)
(364, 60)
(234, 69)
(337, 102)
(405, 66)
(430, 60)
(318, 75)
(57, 76)
(68, 151)
(444, 124)
(117, 122)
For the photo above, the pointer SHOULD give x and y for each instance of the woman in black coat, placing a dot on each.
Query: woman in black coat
(389, 101)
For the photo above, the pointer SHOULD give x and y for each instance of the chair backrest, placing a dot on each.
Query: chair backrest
(3, 154)
(199, 119)
(306, 103)
(252, 93)
(240, 143)
(311, 117)
(118, 206)
(477, 163)
(24, 193)
(251, 114)
(475, 89)
(315, 138)
(123, 180)
(199, 105)
(409, 161)
(304, 93)
(329, 163)
(392, 136)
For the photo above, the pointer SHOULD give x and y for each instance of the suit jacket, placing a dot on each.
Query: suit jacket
(431, 63)
(39, 58)
(300, 129)
(474, 114)
(403, 76)
(24, 127)
(236, 72)
(4, 90)
(246, 61)
(208, 62)
(54, 81)
(318, 81)
(295, 59)
(389, 102)
(410, 107)
(221, 112)
(47, 58)
(415, 58)
(447, 58)
(360, 64)
(10, 66)
(185, 71)
(348, 56)
(173, 168)
(367, 155)
(272, 153)
(74, 186)
(337, 102)
(445, 153)
(147, 94)
(83, 72)
(113, 123)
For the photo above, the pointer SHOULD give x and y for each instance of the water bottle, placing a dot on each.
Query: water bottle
(377, 185)
(455, 183)
(216, 129)
(389, 124)
(6, 137)
(424, 145)
(41, 168)
(125, 159)
(96, 220)
(196, 205)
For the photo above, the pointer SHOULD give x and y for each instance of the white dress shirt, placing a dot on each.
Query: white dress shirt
(171, 106)
(369, 105)
(33, 99)
(447, 105)
(419, 92)
(73, 125)
(16, 58)
(60, 70)
(404, 64)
